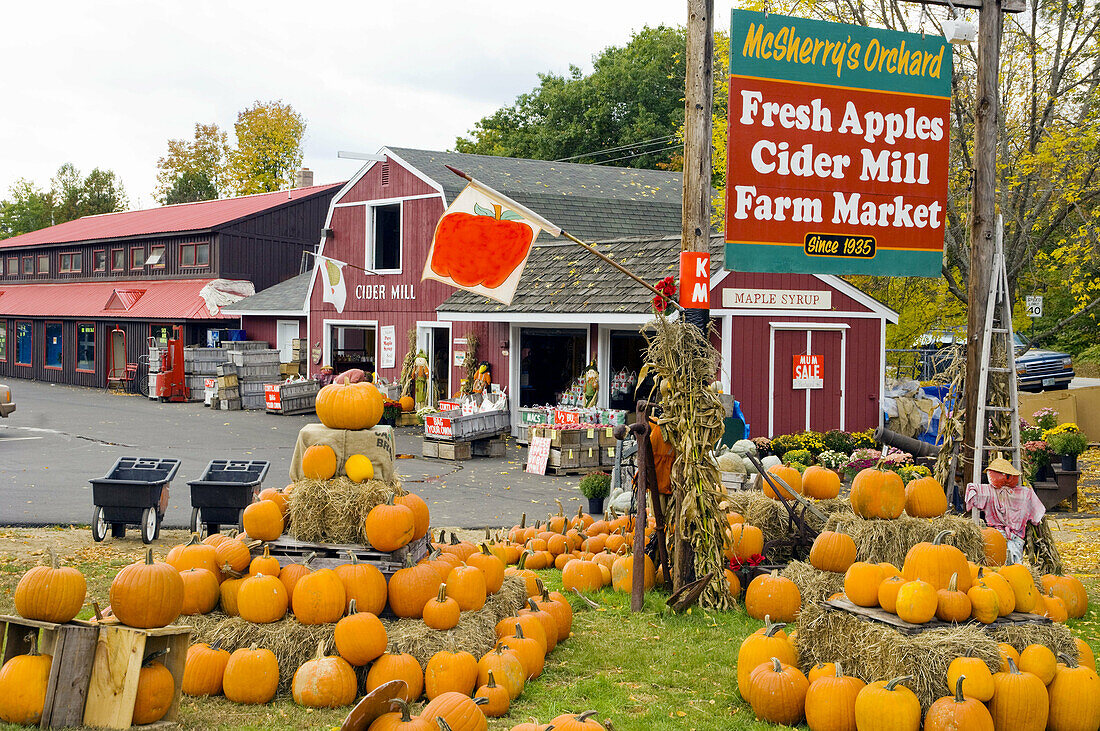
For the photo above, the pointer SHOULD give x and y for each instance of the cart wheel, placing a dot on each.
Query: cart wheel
(156, 533)
(240, 522)
(99, 525)
(149, 524)
(196, 522)
(118, 530)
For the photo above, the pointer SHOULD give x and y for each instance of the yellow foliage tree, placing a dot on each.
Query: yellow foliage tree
(269, 148)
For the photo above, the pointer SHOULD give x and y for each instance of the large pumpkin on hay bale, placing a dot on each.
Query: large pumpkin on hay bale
(877, 494)
(820, 483)
(319, 598)
(935, 562)
(50, 593)
(925, 498)
(349, 406)
(1023, 586)
(358, 468)
(746, 541)
(389, 526)
(263, 520)
(832, 551)
(1070, 590)
(319, 462)
(789, 475)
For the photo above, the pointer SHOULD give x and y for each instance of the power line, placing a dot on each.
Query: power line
(627, 157)
(619, 148)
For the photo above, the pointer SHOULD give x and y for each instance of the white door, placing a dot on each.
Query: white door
(286, 331)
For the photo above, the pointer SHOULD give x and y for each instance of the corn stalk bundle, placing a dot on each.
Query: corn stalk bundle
(685, 362)
(951, 425)
(408, 383)
(471, 363)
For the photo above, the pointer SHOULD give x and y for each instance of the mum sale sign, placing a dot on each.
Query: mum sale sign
(838, 148)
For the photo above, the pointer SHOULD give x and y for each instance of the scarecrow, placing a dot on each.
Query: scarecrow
(483, 379)
(591, 385)
(420, 375)
(1008, 505)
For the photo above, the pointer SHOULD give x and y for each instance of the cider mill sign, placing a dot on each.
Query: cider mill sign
(838, 148)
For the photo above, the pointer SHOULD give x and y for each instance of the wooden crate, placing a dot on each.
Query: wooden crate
(607, 456)
(72, 646)
(290, 550)
(447, 450)
(119, 653)
(877, 614)
(569, 458)
(559, 438)
(589, 456)
(406, 419)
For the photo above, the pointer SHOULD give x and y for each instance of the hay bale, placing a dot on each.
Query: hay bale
(1055, 636)
(334, 511)
(813, 584)
(774, 521)
(294, 643)
(889, 540)
(874, 651)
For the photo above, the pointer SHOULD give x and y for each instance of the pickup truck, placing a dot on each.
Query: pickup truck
(1036, 370)
(7, 405)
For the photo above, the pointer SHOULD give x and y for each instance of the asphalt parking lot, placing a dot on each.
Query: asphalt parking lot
(62, 436)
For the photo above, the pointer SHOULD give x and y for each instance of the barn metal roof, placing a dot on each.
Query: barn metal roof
(160, 299)
(588, 201)
(198, 216)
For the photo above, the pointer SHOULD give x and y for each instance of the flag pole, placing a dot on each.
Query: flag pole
(315, 255)
(597, 254)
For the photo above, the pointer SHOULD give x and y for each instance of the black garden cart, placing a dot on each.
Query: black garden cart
(134, 493)
(220, 496)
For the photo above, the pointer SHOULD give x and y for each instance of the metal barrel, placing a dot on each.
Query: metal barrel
(915, 447)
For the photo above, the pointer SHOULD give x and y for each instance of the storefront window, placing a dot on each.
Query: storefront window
(626, 358)
(100, 260)
(54, 345)
(352, 347)
(551, 361)
(161, 333)
(3, 341)
(85, 347)
(24, 343)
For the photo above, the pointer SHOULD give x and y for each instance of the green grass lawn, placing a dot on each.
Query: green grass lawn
(649, 671)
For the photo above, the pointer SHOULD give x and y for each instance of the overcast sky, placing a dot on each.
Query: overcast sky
(107, 83)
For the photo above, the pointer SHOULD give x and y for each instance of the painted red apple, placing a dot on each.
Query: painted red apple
(480, 248)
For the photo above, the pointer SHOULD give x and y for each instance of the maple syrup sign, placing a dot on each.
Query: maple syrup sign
(838, 148)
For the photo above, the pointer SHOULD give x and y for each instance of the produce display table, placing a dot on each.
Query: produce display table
(877, 614)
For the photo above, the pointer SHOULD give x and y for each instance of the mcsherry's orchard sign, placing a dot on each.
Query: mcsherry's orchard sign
(838, 148)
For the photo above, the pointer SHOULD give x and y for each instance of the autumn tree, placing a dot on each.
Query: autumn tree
(626, 112)
(71, 196)
(204, 157)
(269, 148)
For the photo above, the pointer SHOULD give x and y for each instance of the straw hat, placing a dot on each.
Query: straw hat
(1002, 465)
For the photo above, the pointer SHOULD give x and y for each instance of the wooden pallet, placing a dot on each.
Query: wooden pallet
(878, 614)
(119, 653)
(330, 555)
(562, 471)
(73, 647)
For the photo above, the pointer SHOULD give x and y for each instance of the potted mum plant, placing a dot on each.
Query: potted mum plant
(1036, 458)
(1067, 444)
(595, 486)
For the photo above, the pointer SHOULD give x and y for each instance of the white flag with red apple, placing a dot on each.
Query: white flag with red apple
(482, 242)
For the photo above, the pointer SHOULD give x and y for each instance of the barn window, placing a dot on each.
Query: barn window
(54, 345)
(13, 266)
(28, 265)
(99, 261)
(43, 263)
(71, 263)
(387, 238)
(118, 260)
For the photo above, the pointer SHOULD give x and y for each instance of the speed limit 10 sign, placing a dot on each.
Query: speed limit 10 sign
(1034, 304)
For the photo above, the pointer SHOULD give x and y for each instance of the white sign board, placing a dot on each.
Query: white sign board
(537, 455)
(389, 346)
(777, 299)
(460, 358)
(1034, 304)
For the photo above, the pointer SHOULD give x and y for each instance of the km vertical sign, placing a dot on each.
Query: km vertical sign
(838, 148)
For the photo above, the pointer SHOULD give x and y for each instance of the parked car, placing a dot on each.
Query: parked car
(7, 403)
(1036, 369)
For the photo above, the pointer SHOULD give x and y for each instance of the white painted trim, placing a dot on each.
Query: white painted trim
(326, 336)
(425, 327)
(726, 361)
(513, 377)
(384, 201)
(809, 326)
(881, 372)
(430, 181)
(843, 375)
(265, 313)
(603, 364)
(798, 313)
(771, 382)
(368, 235)
(717, 278)
(809, 391)
(548, 319)
(859, 296)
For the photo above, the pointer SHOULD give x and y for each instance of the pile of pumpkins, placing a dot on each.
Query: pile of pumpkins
(1032, 691)
(875, 493)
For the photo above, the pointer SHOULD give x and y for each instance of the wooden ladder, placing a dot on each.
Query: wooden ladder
(998, 324)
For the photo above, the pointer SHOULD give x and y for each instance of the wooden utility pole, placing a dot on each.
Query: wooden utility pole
(983, 213)
(698, 110)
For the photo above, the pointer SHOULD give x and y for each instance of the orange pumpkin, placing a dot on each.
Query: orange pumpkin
(398, 666)
(360, 637)
(421, 515)
(363, 584)
(996, 547)
(319, 598)
(952, 605)
(773, 595)
(888, 593)
(1070, 590)
(833, 551)
(390, 526)
(450, 672)
(318, 463)
(916, 602)
(935, 562)
(925, 498)
(324, 681)
(263, 520)
(50, 593)
(861, 583)
(820, 482)
(789, 475)
(411, 587)
(349, 406)
(877, 494)
(407, 403)
(746, 541)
